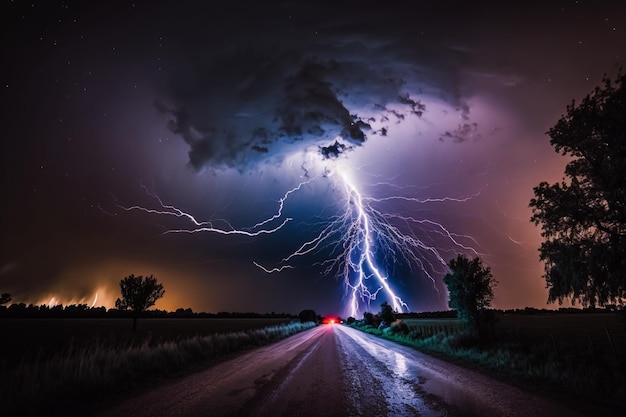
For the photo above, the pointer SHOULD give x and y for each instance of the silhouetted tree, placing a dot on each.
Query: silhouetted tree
(386, 313)
(5, 298)
(470, 287)
(308, 315)
(368, 318)
(138, 294)
(583, 218)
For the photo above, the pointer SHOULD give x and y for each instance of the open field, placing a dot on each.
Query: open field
(27, 339)
(595, 333)
(68, 362)
(599, 334)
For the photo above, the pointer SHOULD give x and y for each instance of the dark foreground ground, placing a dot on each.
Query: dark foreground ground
(35, 339)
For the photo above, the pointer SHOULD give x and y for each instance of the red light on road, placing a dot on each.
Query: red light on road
(331, 320)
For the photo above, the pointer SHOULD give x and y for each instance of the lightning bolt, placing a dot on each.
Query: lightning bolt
(362, 238)
(209, 226)
(358, 241)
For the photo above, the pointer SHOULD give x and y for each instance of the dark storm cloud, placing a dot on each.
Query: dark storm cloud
(264, 117)
(463, 133)
(333, 151)
(312, 107)
(263, 97)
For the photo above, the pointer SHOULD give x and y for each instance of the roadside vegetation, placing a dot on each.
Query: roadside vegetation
(574, 357)
(97, 370)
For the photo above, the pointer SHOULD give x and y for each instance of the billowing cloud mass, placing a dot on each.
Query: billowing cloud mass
(263, 97)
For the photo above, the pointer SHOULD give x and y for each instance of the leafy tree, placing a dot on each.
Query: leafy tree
(368, 318)
(583, 218)
(5, 298)
(138, 294)
(308, 315)
(386, 313)
(470, 285)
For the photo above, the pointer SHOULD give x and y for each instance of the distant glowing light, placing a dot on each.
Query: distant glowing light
(61, 300)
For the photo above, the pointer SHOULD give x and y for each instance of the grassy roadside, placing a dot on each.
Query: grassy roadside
(568, 376)
(62, 384)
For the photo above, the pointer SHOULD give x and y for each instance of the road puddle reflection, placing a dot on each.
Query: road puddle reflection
(400, 365)
(395, 373)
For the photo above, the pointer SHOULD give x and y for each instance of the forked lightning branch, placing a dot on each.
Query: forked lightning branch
(360, 241)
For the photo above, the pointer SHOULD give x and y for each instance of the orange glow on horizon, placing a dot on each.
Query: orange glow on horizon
(102, 289)
(98, 286)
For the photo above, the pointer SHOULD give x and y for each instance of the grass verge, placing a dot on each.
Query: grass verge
(97, 370)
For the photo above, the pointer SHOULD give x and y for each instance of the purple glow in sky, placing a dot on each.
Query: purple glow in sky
(221, 109)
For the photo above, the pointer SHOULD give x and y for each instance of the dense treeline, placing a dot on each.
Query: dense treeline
(573, 310)
(428, 315)
(527, 310)
(452, 314)
(22, 310)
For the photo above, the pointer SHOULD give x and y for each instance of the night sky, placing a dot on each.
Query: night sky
(435, 111)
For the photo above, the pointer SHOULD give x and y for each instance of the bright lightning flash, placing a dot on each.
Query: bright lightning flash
(359, 239)
(362, 237)
(362, 234)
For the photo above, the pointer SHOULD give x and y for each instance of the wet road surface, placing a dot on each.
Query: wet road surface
(334, 370)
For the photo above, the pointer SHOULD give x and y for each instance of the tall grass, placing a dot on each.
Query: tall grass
(98, 370)
(568, 372)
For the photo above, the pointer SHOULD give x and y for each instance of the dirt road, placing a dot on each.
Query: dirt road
(333, 370)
